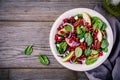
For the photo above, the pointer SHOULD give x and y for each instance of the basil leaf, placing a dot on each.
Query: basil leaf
(78, 52)
(88, 39)
(105, 49)
(90, 61)
(87, 52)
(68, 28)
(28, 50)
(43, 59)
(78, 30)
(104, 43)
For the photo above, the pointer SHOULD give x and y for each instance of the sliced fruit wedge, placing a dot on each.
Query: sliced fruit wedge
(72, 43)
(86, 18)
(99, 36)
(69, 56)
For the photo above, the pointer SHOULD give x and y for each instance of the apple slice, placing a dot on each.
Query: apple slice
(69, 56)
(99, 35)
(86, 18)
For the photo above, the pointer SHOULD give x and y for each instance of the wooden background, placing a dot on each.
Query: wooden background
(25, 22)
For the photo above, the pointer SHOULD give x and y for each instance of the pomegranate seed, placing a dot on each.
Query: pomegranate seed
(80, 62)
(70, 40)
(72, 19)
(100, 53)
(87, 30)
(84, 44)
(96, 31)
(86, 23)
(65, 20)
(56, 37)
(89, 26)
(61, 26)
(74, 31)
(76, 39)
(62, 32)
(58, 28)
(95, 38)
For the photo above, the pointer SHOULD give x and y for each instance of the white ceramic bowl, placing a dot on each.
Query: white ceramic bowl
(79, 67)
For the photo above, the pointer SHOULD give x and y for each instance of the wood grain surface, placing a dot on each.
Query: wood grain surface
(25, 22)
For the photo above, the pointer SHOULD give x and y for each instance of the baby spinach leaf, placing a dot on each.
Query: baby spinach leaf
(28, 50)
(87, 52)
(43, 59)
(103, 26)
(105, 49)
(68, 28)
(84, 29)
(88, 39)
(94, 51)
(78, 52)
(62, 46)
(104, 43)
(90, 61)
(78, 30)
(79, 15)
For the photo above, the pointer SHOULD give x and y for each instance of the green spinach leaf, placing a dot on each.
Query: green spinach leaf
(28, 50)
(87, 52)
(104, 43)
(90, 61)
(43, 59)
(88, 39)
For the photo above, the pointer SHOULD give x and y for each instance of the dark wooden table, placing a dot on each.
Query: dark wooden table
(25, 22)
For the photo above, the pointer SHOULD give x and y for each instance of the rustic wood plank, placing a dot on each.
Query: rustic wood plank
(15, 36)
(42, 74)
(38, 11)
(50, 0)
(4, 74)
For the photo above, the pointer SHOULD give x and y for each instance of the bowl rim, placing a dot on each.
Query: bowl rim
(68, 65)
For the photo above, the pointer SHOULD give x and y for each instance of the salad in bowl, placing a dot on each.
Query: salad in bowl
(81, 40)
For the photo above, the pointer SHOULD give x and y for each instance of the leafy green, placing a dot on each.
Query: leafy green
(84, 29)
(78, 52)
(90, 60)
(97, 23)
(87, 52)
(94, 51)
(28, 50)
(79, 15)
(103, 26)
(68, 28)
(43, 59)
(78, 30)
(104, 43)
(80, 36)
(88, 39)
(105, 49)
(104, 36)
(62, 46)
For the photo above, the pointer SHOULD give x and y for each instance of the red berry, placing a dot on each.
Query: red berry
(72, 19)
(76, 39)
(56, 37)
(100, 53)
(95, 37)
(65, 20)
(96, 31)
(70, 40)
(86, 23)
(80, 62)
(87, 29)
(74, 31)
